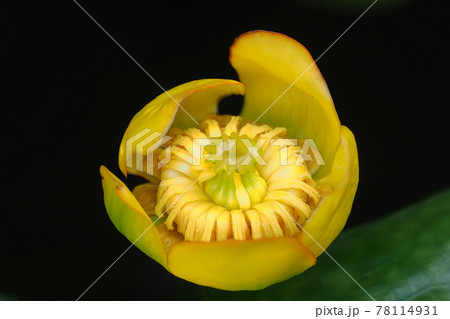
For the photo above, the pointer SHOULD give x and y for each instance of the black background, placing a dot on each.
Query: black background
(71, 92)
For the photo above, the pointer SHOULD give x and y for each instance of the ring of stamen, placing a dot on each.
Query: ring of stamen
(226, 180)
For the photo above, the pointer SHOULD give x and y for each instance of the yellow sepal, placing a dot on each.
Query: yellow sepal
(269, 64)
(329, 218)
(197, 98)
(130, 218)
(239, 265)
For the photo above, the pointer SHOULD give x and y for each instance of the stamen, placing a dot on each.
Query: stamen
(199, 209)
(239, 224)
(223, 226)
(270, 219)
(255, 223)
(279, 131)
(232, 126)
(253, 130)
(212, 128)
(211, 217)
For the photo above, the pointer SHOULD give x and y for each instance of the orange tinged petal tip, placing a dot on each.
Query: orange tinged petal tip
(267, 34)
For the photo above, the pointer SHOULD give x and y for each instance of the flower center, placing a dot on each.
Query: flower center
(229, 180)
(234, 184)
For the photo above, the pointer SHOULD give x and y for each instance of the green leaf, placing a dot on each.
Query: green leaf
(405, 256)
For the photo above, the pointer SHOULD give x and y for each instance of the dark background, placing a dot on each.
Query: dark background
(71, 92)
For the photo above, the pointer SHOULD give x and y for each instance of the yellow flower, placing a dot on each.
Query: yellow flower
(245, 216)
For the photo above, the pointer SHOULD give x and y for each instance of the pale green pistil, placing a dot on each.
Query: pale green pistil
(235, 184)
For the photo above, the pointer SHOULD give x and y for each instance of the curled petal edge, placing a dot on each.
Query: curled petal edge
(284, 87)
(329, 218)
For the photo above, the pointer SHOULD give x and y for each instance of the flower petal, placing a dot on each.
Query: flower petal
(329, 218)
(197, 98)
(239, 265)
(129, 217)
(285, 88)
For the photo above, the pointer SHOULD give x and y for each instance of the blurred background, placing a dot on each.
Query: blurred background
(71, 92)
